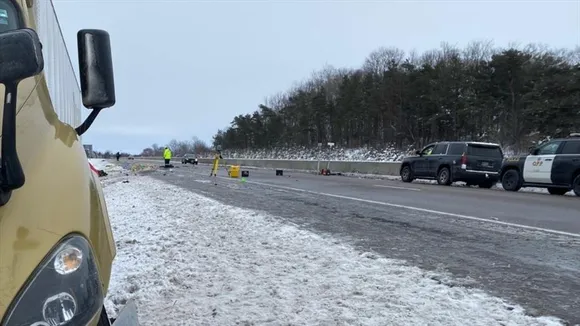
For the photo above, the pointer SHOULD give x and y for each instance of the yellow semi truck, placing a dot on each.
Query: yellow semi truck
(56, 242)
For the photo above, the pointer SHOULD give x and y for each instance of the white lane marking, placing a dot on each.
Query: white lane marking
(425, 210)
(405, 188)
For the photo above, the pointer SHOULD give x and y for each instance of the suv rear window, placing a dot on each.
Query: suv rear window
(484, 150)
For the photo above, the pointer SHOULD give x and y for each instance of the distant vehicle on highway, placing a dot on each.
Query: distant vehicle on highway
(189, 158)
(554, 165)
(474, 163)
(131, 157)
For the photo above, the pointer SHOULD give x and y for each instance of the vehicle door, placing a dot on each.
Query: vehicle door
(538, 165)
(566, 163)
(436, 158)
(421, 164)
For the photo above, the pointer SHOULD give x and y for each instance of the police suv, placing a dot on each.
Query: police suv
(554, 165)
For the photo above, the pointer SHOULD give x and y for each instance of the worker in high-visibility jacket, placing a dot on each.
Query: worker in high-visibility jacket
(167, 155)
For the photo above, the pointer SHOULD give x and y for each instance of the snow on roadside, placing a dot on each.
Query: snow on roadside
(387, 154)
(190, 260)
(105, 165)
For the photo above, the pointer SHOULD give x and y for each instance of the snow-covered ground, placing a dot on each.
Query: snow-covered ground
(119, 171)
(105, 165)
(190, 260)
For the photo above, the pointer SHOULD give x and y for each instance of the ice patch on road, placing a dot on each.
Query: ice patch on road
(190, 260)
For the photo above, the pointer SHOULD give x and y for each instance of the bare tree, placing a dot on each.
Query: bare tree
(383, 59)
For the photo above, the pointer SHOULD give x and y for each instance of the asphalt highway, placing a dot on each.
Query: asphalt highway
(523, 247)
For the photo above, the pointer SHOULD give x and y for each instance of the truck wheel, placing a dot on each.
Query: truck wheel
(444, 176)
(104, 318)
(406, 174)
(510, 180)
(557, 191)
(576, 185)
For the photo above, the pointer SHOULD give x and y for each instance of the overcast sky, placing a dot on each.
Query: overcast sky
(186, 68)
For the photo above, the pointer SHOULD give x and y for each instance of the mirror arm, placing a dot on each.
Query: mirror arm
(11, 173)
(88, 122)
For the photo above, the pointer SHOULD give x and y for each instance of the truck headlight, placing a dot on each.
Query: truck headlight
(65, 289)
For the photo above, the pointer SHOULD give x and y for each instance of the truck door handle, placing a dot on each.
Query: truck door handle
(548, 159)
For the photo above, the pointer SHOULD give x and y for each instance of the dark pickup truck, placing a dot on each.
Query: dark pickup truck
(474, 163)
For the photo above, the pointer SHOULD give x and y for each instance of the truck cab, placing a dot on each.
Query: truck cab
(554, 165)
(56, 242)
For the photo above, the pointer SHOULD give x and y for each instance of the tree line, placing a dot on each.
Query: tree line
(179, 148)
(514, 96)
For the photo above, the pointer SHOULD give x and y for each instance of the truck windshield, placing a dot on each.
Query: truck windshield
(9, 18)
(483, 150)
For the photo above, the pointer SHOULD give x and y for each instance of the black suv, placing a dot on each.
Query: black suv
(474, 163)
(554, 165)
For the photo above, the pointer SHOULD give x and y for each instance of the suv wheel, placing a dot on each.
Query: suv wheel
(510, 180)
(557, 191)
(406, 174)
(576, 185)
(444, 176)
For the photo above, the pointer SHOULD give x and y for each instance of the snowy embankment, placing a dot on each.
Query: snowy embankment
(388, 154)
(190, 260)
(363, 154)
(105, 165)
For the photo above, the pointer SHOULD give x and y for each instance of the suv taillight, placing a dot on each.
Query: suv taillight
(463, 159)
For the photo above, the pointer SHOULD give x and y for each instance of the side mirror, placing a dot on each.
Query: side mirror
(418, 153)
(96, 68)
(533, 150)
(20, 58)
(20, 55)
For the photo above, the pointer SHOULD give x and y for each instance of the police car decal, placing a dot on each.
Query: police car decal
(538, 168)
